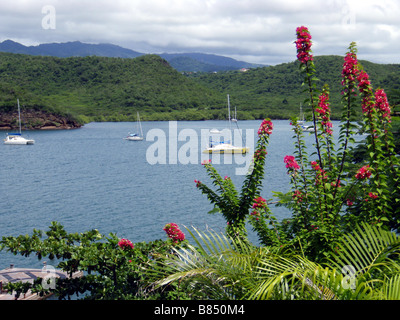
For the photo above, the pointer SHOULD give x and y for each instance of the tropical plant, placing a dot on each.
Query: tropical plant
(226, 199)
(112, 267)
(367, 267)
(329, 195)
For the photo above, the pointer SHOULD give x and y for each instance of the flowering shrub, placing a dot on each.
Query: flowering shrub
(328, 196)
(235, 206)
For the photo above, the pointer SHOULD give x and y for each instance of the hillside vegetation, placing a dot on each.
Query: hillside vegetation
(276, 91)
(100, 88)
(114, 89)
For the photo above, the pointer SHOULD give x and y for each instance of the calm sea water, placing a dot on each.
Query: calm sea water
(92, 178)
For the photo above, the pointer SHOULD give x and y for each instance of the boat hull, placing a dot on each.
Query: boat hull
(134, 138)
(227, 150)
(10, 140)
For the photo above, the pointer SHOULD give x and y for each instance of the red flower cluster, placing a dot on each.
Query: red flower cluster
(382, 104)
(259, 154)
(303, 45)
(297, 196)
(350, 68)
(291, 163)
(363, 173)
(265, 127)
(197, 182)
(364, 86)
(324, 112)
(372, 195)
(174, 232)
(259, 202)
(125, 244)
(321, 174)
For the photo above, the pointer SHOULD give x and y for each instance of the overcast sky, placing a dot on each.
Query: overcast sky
(258, 31)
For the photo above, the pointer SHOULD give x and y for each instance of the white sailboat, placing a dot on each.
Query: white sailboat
(17, 138)
(138, 136)
(305, 128)
(225, 146)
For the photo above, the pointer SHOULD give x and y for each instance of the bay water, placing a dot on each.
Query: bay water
(91, 178)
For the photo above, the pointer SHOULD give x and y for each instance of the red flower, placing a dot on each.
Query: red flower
(363, 173)
(265, 127)
(303, 45)
(364, 85)
(125, 244)
(324, 112)
(372, 195)
(382, 104)
(174, 232)
(350, 68)
(297, 196)
(291, 163)
(259, 202)
(321, 174)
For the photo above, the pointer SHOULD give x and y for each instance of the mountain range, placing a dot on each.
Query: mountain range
(184, 62)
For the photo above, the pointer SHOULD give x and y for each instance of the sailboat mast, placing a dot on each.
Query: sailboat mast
(140, 124)
(229, 113)
(19, 117)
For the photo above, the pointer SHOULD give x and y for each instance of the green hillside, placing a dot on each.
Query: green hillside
(276, 91)
(114, 89)
(99, 89)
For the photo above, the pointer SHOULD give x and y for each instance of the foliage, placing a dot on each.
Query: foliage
(274, 91)
(234, 206)
(101, 88)
(328, 195)
(367, 268)
(113, 267)
(114, 89)
(340, 242)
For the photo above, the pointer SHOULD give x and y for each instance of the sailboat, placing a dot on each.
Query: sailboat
(17, 138)
(305, 128)
(136, 136)
(224, 146)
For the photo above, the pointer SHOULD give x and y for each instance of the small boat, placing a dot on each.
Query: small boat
(136, 136)
(308, 128)
(17, 138)
(225, 146)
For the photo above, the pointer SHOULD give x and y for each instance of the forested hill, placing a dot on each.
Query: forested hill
(100, 88)
(277, 91)
(114, 89)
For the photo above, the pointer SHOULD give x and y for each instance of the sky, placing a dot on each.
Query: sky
(256, 31)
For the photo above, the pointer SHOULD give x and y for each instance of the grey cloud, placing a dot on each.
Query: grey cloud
(260, 30)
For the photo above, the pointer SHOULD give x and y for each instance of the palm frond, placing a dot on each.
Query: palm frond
(368, 247)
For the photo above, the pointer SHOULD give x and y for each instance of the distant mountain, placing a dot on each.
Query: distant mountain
(205, 62)
(69, 49)
(190, 62)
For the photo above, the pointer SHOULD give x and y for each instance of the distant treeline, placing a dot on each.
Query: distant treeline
(114, 89)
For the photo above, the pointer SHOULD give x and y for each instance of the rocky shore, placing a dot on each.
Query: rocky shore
(37, 120)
